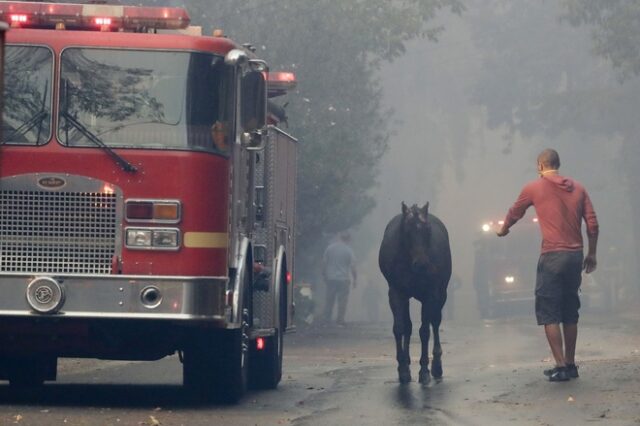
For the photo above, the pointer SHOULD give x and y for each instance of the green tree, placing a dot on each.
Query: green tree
(335, 48)
(615, 30)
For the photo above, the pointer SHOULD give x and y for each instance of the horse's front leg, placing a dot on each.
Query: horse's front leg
(402, 333)
(423, 376)
(436, 364)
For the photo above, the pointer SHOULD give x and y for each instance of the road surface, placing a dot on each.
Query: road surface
(347, 376)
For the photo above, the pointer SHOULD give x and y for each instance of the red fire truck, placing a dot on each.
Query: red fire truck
(142, 180)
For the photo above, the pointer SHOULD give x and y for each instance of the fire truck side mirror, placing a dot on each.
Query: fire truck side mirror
(253, 109)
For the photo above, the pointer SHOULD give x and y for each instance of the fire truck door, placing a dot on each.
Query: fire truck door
(251, 113)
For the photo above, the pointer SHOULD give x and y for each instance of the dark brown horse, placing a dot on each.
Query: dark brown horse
(415, 258)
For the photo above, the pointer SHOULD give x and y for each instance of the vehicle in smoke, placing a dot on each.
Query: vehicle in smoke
(504, 274)
(505, 269)
(143, 181)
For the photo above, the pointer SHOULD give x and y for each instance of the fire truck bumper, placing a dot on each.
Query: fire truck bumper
(144, 297)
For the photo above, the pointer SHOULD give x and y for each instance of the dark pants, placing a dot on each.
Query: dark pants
(557, 285)
(336, 289)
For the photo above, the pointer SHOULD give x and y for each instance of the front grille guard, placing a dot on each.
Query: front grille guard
(72, 229)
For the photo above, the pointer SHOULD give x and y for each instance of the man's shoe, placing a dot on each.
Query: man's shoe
(557, 374)
(572, 371)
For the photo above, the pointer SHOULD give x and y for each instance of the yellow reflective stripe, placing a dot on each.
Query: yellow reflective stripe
(206, 239)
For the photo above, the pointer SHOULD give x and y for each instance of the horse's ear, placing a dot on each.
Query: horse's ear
(405, 209)
(424, 213)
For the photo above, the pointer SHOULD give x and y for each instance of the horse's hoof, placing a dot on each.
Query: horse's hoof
(423, 376)
(436, 370)
(404, 375)
(405, 378)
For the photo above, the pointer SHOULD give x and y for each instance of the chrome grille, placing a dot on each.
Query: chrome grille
(57, 232)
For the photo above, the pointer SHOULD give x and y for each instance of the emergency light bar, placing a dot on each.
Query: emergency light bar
(279, 83)
(20, 14)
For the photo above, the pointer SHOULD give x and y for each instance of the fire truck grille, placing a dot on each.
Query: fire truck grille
(57, 233)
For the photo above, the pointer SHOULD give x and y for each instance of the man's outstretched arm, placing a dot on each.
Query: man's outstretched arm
(516, 211)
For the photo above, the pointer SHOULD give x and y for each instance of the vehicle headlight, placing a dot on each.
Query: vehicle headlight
(165, 238)
(509, 279)
(153, 238)
(139, 237)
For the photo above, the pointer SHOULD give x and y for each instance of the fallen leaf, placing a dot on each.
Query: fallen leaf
(18, 418)
(154, 421)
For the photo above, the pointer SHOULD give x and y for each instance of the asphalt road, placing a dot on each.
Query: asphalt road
(334, 376)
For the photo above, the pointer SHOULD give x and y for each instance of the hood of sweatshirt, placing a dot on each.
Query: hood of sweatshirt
(561, 182)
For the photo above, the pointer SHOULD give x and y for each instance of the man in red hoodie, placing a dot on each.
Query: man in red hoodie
(561, 204)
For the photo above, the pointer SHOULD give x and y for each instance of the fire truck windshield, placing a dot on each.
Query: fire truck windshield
(27, 95)
(145, 99)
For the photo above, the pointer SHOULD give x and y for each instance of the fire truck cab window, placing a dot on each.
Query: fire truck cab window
(144, 99)
(27, 95)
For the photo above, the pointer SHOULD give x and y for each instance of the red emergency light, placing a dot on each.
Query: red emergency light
(279, 83)
(91, 17)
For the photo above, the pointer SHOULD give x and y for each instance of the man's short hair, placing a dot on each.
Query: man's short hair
(549, 158)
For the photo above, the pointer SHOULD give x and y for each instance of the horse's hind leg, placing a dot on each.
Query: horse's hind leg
(423, 376)
(436, 363)
(402, 333)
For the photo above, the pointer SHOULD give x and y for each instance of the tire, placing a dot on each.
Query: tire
(215, 366)
(266, 364)
(232, 382)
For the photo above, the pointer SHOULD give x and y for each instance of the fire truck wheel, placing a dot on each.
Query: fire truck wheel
(216, 363)
(266, 364)
(214, 368)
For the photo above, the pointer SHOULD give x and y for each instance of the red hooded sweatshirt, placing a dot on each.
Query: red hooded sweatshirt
(561, 203)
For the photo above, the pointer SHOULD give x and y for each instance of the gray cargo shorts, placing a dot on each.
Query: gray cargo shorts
(557, 285)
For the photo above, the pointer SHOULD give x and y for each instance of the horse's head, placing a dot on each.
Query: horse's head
(416, 235)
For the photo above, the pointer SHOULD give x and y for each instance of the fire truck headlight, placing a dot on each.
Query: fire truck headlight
(166, 238)
(153, 238)
(139, 238)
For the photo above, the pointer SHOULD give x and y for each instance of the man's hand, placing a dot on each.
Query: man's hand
(590, 263)
(502, 232)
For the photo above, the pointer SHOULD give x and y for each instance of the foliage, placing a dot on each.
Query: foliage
(335, 48)
(615, 30)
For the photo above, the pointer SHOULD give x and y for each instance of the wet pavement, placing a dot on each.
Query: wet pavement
(337, 376)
